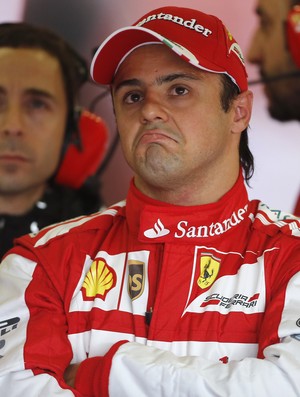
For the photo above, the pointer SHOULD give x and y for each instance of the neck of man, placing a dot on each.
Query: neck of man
(19, 203)
(200, 191)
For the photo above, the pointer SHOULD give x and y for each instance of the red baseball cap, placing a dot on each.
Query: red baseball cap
(199, 38)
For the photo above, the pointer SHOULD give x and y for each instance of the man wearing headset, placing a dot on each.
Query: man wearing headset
(275, 48)
(40, 76)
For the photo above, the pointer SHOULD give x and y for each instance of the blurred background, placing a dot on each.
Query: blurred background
(85, 23)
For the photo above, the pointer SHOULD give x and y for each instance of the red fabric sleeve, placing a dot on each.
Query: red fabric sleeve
(92, 377)
(86, 373)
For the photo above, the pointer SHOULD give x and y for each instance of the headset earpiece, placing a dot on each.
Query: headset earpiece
(293, 33)
(82, 159)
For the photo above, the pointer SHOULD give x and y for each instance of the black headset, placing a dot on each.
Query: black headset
(86, 134)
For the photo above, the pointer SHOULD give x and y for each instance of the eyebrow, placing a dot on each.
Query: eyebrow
(160, 80)
(175, 76)
(40, 93)
(33, 91)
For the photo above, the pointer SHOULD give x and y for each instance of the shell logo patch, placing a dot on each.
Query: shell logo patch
(209, 269)
(100, 279)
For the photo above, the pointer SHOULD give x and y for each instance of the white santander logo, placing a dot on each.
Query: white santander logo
(158, 230)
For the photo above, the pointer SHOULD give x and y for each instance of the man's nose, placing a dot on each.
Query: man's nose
(11, 121)
(254, 54)
(153, 109)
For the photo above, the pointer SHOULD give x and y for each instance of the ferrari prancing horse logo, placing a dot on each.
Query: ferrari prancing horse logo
(209, 269)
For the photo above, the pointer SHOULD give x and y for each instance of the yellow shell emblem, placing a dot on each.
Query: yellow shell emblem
(100, 279)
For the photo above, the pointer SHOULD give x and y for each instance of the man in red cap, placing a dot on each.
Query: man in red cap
(187, 288)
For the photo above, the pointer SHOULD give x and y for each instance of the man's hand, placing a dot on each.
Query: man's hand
(70, 374)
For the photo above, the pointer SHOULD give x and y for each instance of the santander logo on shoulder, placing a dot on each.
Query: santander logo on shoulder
(158, 230)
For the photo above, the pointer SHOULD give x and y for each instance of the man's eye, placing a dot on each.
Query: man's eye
(179, 90)
(265, 23)
(133, 97)
(37, 104)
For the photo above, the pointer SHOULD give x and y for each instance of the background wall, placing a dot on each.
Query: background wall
(85, 23)
(11, 10)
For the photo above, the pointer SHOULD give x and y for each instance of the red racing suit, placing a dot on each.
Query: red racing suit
(155, 300)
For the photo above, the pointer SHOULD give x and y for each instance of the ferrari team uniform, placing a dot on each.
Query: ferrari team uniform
(155, 300)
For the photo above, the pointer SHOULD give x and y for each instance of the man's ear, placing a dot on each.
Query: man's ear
(242, 107)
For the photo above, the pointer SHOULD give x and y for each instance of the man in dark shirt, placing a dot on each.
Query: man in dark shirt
(40, 76)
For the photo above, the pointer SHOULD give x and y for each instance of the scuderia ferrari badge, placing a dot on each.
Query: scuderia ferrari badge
(209, 269)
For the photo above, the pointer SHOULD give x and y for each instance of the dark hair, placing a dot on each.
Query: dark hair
(229, 93)
(294, 3)
(74, 67)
